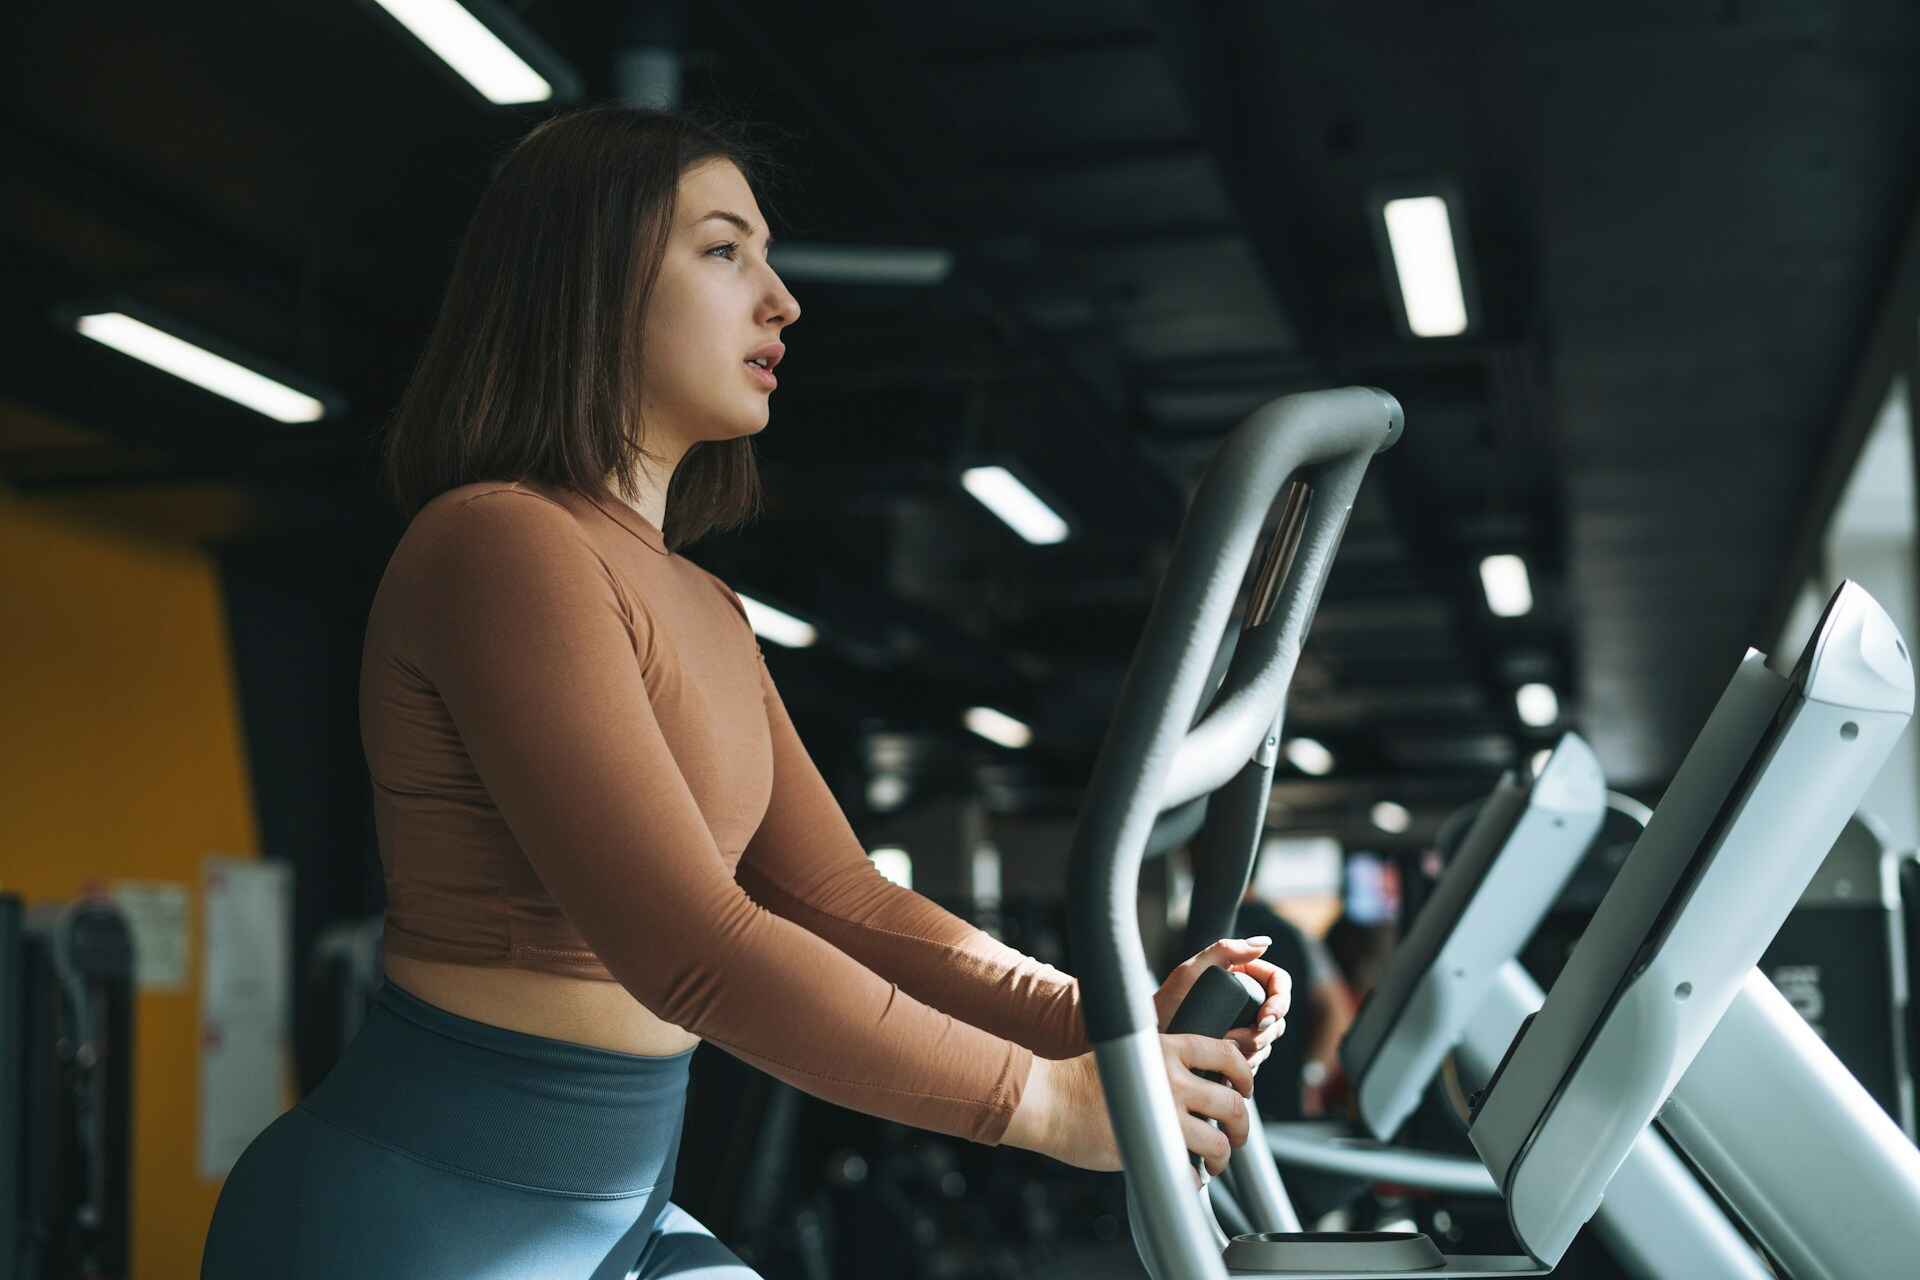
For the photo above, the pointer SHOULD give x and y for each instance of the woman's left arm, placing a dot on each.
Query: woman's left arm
(806, 863)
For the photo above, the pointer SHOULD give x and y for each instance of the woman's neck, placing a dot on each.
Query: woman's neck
(649, 493)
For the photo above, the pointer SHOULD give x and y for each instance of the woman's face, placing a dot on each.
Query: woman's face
(715, 304)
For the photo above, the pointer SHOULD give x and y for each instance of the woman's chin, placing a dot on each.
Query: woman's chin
(725, 429)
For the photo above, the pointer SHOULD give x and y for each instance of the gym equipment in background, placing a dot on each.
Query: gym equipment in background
(1906, 878)
(343, 972)
(66, 1085)
(1841, 961)
(12, 1097)
(1526, 839)
(1763, 793)
(1455, 987)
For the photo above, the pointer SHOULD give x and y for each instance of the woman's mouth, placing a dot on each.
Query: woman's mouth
(763, 376)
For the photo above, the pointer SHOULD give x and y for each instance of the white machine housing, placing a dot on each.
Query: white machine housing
(1519, 851)
(1761, 796)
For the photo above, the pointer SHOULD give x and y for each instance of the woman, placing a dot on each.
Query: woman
(603, 841)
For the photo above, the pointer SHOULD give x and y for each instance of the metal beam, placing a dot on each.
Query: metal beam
(1093, 158)
(1086, 241)
(179, 240)
(1042, 50)
(1159, 497)
(1889, 352)
(1200, 52)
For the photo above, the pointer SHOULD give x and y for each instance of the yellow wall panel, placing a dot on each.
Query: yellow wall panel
(125, 759)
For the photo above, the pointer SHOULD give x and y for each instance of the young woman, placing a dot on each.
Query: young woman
(603, 841)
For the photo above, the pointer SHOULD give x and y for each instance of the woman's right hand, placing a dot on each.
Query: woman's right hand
(1083, 1130)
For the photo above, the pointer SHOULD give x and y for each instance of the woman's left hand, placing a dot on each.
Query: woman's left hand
(1236, 955)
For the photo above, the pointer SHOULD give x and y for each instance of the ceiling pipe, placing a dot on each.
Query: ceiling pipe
(649, 53)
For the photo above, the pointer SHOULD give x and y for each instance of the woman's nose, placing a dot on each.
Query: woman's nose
(782, 303)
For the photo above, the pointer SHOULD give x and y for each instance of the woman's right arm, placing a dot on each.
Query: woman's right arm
(522, 629)
(1031, 1128)
(1063, 1112)
(534, 649)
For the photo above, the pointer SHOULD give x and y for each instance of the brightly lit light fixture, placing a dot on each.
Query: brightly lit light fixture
(895, 864)
(996, 726)
(770, 623)
(886, 791)
(197, 365)
(1509, 593)
(1001, 492)
(1391, 818)
(1538, 704)
(860, 264)
(985, 878)
(1308, 756)
(471, 49)
(1420, 234)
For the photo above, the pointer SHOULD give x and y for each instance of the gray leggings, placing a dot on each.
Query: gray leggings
(441, 1147)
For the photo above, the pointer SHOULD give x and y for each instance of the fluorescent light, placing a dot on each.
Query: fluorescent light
(895, 864)
(886, 791)
(1504, 578)
(782, 628)
(986, 876)
(1540, 759)
(199, 366)
(1001, 493)
(1391, 818)
(1298, 867)
(860, 264)
(996, 727)
(1421, 237)
(1539, 705)
(477, 55)
(1309, 756)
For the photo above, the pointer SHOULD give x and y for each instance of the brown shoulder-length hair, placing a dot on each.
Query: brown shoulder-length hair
(533, 368)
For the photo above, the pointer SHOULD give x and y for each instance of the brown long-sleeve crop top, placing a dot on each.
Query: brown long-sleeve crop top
(581, 765)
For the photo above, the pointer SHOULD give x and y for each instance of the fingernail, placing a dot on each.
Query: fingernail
(1261, 941)
(1267, 1021)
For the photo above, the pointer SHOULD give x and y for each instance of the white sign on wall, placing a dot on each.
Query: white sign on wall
(244, 1019)
(160, 918)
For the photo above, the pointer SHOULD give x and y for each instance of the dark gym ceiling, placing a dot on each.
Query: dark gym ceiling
(1680, 218)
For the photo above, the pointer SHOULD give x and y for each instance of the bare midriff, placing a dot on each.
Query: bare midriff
(583, 1010)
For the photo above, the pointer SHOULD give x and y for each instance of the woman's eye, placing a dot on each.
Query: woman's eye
(729, 248)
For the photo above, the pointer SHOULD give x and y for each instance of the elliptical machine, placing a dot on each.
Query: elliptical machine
(1770, 781)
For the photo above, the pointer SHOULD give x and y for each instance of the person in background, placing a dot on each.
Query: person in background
(1302, 1075)
(1362, 951)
